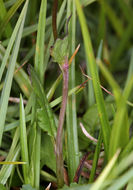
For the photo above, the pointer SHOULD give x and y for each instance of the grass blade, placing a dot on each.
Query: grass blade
(39, 56)
(98, 184)
(93, 68)
(95, 159)
(9, 76)
(11, 42)
(13, 154)
(3, 12)
(72, 137)
(121, 125)
(9, 15)
(23, 142)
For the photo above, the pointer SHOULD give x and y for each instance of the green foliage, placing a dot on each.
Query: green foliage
(74, 186)
(46, 111)
(103, 104)
(27, 187)
(60, 50)
(47, 153)
(2, 187)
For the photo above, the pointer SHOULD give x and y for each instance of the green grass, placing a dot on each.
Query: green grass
(31, 95)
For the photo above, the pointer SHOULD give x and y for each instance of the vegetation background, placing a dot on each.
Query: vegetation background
(96, 37)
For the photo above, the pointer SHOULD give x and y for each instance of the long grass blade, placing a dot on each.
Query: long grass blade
(23, 142)
(121, 125)
(93, 68)
(9, 76)
(72, 137)
(39, 55)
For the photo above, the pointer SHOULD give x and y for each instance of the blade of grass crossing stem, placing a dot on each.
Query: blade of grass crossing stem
(9, 14)
(39, 55)
(95, 159)
(11, 42)
(93, 68)
(23, 142)
(3, 12)
(121, 126)
(98, 184)
(72, 137)
(9, 76)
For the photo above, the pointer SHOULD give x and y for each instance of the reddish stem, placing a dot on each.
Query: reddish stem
(59, 137)
(54, 18)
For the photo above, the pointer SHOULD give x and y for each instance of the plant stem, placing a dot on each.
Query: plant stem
(54, 18)
(59, 137)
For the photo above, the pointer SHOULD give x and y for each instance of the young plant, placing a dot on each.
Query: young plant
(59, 53)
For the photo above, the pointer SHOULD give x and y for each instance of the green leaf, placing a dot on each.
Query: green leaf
(75, 186)
(60, 50)
(27, 187)
(43, 121)
(86, 2)
(48, 153)
(43, 102)
(2, 187)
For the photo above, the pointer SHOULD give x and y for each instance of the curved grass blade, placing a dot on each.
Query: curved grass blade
(121, 126)
(8, 29)
(9, 15)
(9, 76)
(96, 84)
(11, 42)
